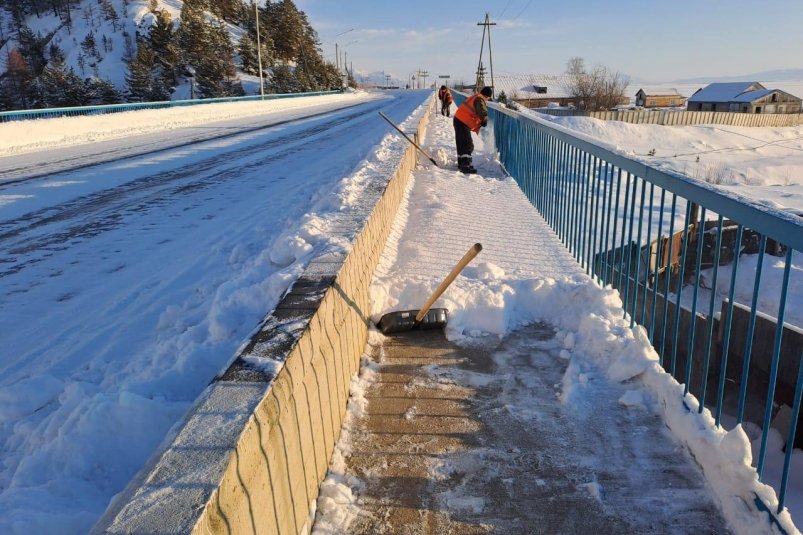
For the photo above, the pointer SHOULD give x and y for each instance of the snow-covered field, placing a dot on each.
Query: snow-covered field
(523, 276)
(764, 165)
(126, 286)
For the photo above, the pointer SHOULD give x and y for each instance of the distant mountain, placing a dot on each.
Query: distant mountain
(778, 75)
(379, 79)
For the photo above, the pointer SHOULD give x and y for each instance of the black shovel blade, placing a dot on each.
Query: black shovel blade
(404, 320)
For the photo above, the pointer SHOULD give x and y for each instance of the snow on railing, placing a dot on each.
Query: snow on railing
(21, 115)
(658, 236)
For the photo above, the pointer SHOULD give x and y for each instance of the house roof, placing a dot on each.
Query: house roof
(750, 96)
(661, 92)
(728, 92)
(523, 86)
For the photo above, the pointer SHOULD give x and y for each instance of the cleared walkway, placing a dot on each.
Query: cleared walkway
(478, 441)
(509, 433)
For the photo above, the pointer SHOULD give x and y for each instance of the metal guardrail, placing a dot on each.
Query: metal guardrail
(22, 115)
(608, 209)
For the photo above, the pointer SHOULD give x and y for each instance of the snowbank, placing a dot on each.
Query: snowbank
(18, 137)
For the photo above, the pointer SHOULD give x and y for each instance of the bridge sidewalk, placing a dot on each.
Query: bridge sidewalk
(478, 440)
(508, 433)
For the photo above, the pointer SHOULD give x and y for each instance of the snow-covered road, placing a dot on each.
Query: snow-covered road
(126, 286)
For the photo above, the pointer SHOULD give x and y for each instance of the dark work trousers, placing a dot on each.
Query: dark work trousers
(446, 108)
(462, 136)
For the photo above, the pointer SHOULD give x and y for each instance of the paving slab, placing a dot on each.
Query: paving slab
(478, 440)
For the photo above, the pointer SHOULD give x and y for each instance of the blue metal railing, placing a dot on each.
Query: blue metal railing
(602, 206)
(21, 115)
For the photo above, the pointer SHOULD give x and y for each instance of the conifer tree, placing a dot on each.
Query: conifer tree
(102, 92)
(287, 24)
(247, 50)
(32, 48)
(16, 82)
(143, 81)
(162, 40)
(60, 87)
(192, 34)
(215, 70)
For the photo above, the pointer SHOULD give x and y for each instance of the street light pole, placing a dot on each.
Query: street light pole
(259, 53)
(338, 64)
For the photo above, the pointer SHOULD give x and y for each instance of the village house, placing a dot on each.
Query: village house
(659, 98)
(535, 91)
(743, 97)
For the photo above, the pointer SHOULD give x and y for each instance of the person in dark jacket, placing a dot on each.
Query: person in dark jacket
(446, 99)
(470, 117)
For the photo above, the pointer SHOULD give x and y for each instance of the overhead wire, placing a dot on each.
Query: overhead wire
(522, 11)
(506, 6)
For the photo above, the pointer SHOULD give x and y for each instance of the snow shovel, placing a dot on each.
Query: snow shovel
(426, 318)
(416, 145)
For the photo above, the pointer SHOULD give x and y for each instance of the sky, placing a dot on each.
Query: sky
(648, 40)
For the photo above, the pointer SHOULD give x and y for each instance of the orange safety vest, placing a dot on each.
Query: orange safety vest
(466, 114)
(447, 97)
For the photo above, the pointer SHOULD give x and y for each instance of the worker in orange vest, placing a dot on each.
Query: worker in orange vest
(470, 117)
(445, 96)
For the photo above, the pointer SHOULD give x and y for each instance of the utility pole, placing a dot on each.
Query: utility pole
(259, 53)
(486, 28)
(480, 83)
(422, 74)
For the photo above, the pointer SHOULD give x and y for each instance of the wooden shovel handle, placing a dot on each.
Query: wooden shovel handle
(468, 257)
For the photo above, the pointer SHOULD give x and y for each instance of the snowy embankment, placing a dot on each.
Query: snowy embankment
(523, 276)
(764, 165)
(126, 287)
(19, 137)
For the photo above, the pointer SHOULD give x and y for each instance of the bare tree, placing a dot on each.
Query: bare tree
(597, 89)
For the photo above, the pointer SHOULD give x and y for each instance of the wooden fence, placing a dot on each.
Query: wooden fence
(684, 118)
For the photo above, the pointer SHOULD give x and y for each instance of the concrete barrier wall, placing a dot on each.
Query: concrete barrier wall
(684, 118)
(250, 455)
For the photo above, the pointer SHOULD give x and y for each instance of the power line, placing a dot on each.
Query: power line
(523, 10)
(503, 11)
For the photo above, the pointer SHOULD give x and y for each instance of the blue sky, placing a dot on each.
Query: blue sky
(647, 39)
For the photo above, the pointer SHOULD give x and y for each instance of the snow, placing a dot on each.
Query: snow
(131, 284)
(136, 18)
(22, 137)
(112, 67)
(763, 165)
(190, 263)
(522, 277)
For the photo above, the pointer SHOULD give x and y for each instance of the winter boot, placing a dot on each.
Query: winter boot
(464, 165)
